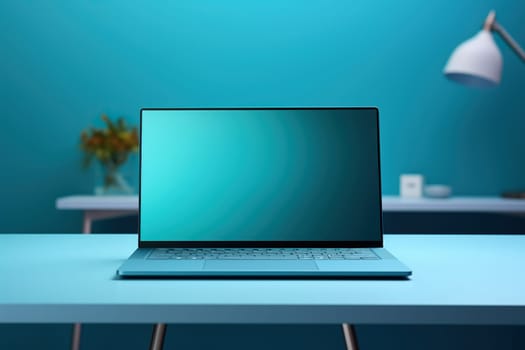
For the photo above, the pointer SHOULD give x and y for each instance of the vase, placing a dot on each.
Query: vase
(110, 181)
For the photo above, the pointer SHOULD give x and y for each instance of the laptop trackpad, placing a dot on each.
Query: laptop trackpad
(261, 265)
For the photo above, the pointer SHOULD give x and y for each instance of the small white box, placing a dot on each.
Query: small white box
(411, 185)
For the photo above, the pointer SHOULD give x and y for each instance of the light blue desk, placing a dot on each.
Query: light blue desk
(458, 279)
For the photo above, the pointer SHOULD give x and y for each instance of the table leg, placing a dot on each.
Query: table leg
(93, 215)
(157, 338)
(77, 327)
(75, 339)
(86, 227)
(89, 217)
(350, 337)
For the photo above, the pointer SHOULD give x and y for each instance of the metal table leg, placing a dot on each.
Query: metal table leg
(89, 217)
(157, 338)
(75, 338)
(350, 337)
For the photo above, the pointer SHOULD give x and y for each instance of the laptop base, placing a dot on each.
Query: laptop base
(138, 266)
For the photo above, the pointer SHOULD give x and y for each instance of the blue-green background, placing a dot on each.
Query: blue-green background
(64, 62)
(265, 175)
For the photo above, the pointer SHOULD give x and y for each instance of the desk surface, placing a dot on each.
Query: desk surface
(390, 203)
(458, 279)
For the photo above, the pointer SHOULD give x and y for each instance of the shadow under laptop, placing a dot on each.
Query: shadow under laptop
(262, 278)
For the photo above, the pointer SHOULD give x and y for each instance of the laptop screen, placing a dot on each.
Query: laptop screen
(270, 177)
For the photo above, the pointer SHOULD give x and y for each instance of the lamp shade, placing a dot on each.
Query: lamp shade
(476, 62)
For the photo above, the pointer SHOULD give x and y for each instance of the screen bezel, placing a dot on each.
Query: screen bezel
(263, 244)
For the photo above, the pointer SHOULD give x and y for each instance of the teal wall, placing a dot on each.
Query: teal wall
(63, 63)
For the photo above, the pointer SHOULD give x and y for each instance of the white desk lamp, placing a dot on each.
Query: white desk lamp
(478, 62)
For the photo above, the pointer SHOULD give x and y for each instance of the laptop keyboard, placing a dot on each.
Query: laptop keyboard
(262, 254)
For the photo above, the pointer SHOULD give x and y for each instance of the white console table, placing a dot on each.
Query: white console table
(455, 204)
(105, 207)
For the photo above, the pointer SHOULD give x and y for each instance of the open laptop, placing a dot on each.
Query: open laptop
(260, 192)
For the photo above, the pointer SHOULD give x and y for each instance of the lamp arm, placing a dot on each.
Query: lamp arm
(508, 39)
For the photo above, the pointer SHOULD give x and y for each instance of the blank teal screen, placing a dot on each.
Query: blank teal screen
(260, 175)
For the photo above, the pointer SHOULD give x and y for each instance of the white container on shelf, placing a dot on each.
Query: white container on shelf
(411, 185)
(437, 191)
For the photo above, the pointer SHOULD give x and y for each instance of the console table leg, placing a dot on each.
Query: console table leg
(86, 224)
(157, 338)
(350, 337)
(75, 338)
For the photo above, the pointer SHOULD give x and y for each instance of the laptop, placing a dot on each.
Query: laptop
(260, 192)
